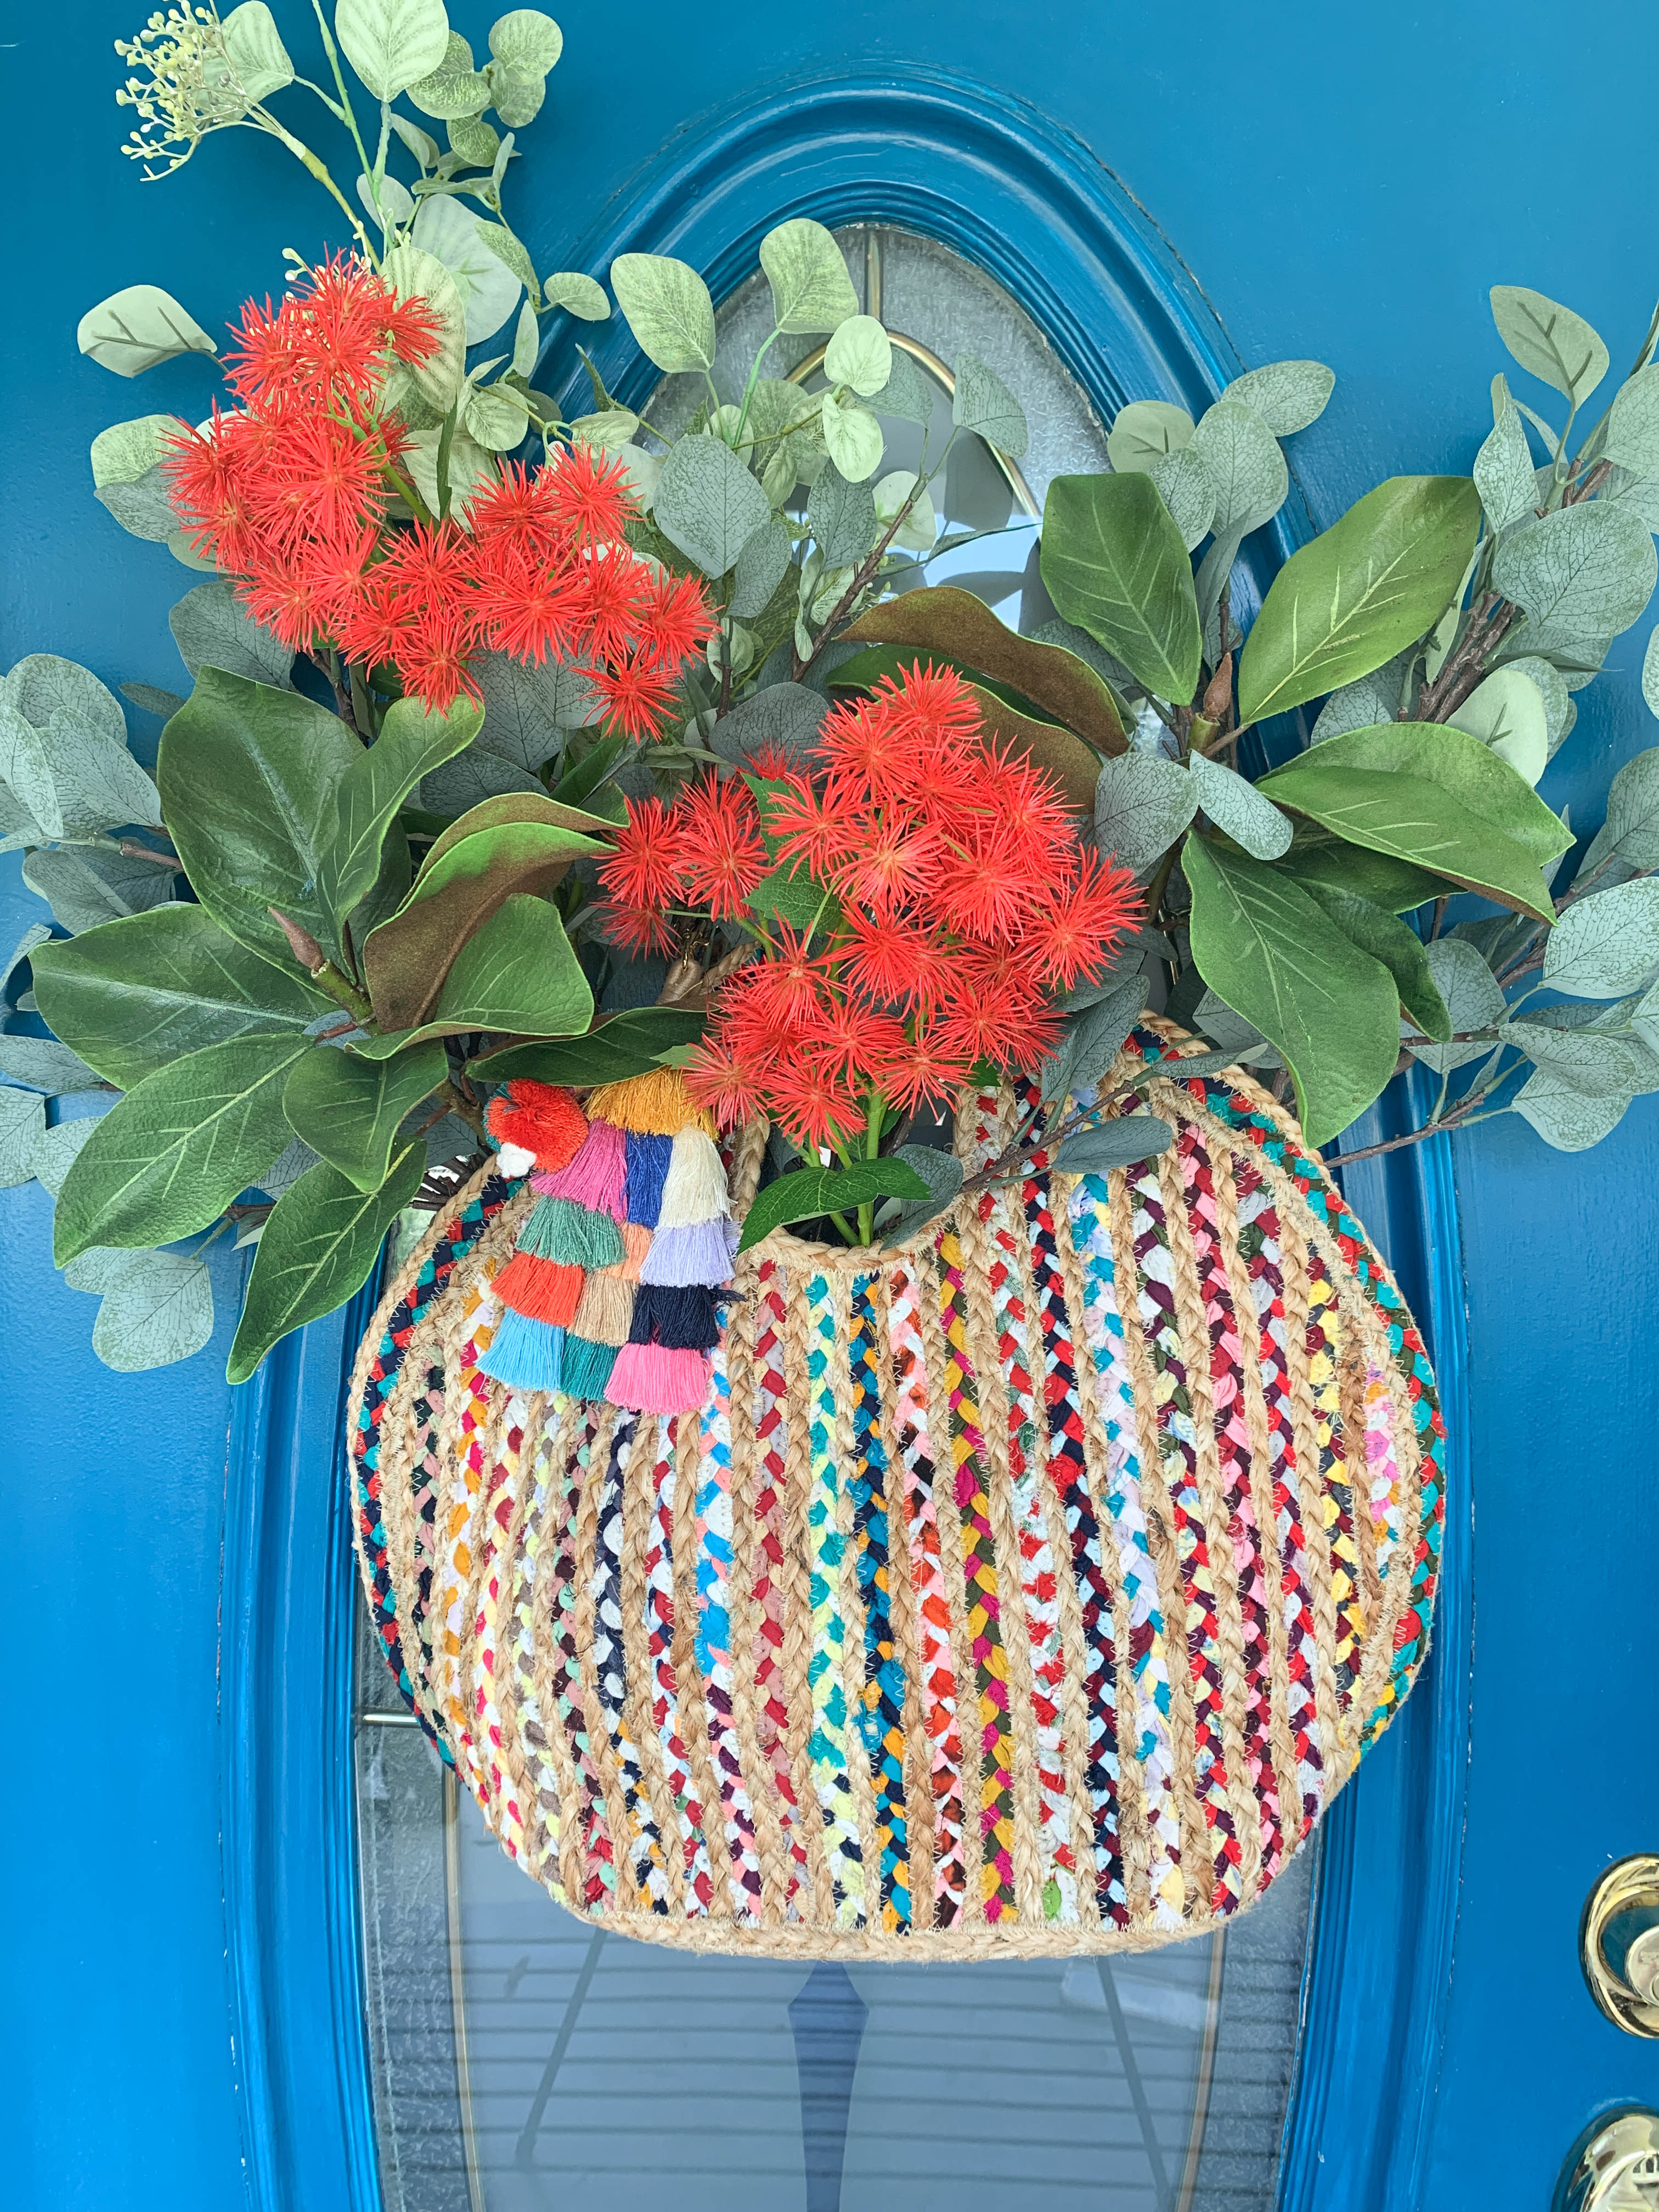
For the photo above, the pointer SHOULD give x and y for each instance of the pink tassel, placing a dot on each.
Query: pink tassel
(594, 1177)
(654, 1381)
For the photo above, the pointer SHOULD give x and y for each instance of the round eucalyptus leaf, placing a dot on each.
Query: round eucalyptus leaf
(854, 437)
(157, 1308)
(139, 326)
(45, 688)
(611, 429)
(1236, 806)
(859, 354)
(127, 452)
(421, 144)
(489, 289)
(396, 201)
(578, 294)
(496, 419)
(1565, 1117)
(257, 50)
(477, 141)
(668, 309)
(1554, 343)
(1188, 489)
(1142, 802)
(984, 404)
(765, 556)
(1506, 712)
(1606, 943)
(1287, 395)
(142, 508)
(920, 527)
(1504, 471)
(1472, 1001)
(525, 40)
(22, 1126)
(1581, 574)
(1243, 459)
(811, 291)
(454, 90)
(515, 94)
(416, 274)
(392, 43)
(707, 504)
(1146, 431)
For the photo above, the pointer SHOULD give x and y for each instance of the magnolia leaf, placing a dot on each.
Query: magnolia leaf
(859, 354)
(168, 1157)
(852, 436)
(349, 1111)
(43, 1064)
(142, 991)
(1236, 806)
(248, 777)
(1146, 431)
(812, 1191)
(1472, 999)
(1606, 943)
(1120, 1142)
(1506, 712)
(1468, 770)
(22, 1127)
(1366, 702)
(212, 629)
(91, 884)
(1114, 564)
(1582, 575)
(1142, 802)
(1504, 472)
(763, 560)
(628, 1043)
(136, 328)
(322, 1239)
(707, 504)
(1401, 952)
(496, 418)
(984, 404)
(1269, 948)
(415, 274)
(1558, 346)
(668, 309)
(811, 292)
(1373, 582)
(1288, 395)
(488, 289)
(1243, 459)
(516, 973)
(413, 740)
(1564, 1116)
(127, 452)
(390, 43)
(525, 40)
(577, 294)
(907, 392)
(1188, 491)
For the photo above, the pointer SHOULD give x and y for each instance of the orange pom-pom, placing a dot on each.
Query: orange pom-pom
(540, 1118)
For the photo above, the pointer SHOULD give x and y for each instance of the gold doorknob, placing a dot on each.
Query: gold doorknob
(1619, 1945)
(1617, 2170)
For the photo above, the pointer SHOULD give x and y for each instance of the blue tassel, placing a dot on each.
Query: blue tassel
(524, 1355)
(647, 1171)
(678, 1318)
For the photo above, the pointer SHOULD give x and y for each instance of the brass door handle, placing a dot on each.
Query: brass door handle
(1616, 2170)
(1619, 1945)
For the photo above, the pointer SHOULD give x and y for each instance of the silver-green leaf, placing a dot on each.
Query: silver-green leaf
(1288, 395)
(139, 326)
(668, 310)
(1557, 345)
(707, 504)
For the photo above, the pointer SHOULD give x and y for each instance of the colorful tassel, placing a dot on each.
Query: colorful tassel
(542, 1119)
(657, 1104)
(594, 1177)
(557, 1229)
(588, 1366)
(636, 1243)
(524, 1355)
(680, 1317)
(606, 1315)
(540, 1290)
(655, 1380)
(703, 1253)
(648, 1170)
(695, 1189)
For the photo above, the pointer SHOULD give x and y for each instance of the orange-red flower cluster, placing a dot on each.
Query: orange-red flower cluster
(290, 492)
(955, 904)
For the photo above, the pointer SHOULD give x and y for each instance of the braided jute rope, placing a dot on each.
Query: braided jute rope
(1026, 1587)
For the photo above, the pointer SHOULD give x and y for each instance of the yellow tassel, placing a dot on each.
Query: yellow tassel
(654, 1104)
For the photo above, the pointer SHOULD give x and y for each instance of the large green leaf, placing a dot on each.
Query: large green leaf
(625, 1044)
(248, 775)
(1372, 583)
(133, 995)
(1316, 859)
(1114, 564)
(348, 1109)
(1271, 950)
(1461, 763)
(811, 1191)
(1387, 938)
(516, 973)
(1412, 819)
(520, 843)
(323, 1236)
(367, 798)
(949, 623)
(168, 1157)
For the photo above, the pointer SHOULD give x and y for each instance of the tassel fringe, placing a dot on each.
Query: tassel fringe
(701, 1254)
(695, 1189)
(524, 1355)
(656, 1103)
(656, 1381)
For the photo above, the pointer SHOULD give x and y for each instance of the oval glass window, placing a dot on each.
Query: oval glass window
(523, 2061)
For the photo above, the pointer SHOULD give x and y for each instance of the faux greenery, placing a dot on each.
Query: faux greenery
(306, 947)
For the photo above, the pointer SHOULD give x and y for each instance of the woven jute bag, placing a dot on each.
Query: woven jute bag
(1028, 1587)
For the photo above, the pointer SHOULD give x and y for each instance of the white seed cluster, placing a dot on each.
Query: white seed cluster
(191, 87)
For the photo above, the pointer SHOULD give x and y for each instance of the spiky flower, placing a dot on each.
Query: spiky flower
(190, 85)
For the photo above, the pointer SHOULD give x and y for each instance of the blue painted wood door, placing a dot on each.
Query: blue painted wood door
(1284, 183)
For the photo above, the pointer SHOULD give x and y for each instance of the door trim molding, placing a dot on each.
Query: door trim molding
(1037, 210)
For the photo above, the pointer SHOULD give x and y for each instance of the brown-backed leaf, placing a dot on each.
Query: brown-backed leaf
(1045, 745)
(946, 621)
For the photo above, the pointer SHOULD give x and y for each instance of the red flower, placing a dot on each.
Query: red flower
(717, 1076)
(672, 617)
(644, 869)
(894, 960)
(636, 695)
(813, 1106)
(922, 1073)
(1090, 908)
(723, 856)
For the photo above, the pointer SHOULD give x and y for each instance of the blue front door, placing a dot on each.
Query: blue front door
(209, 1994)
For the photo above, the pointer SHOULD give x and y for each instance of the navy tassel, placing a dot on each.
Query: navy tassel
(680, 1318)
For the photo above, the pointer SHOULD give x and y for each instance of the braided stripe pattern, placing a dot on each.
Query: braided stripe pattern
(826, 1673)
(880, 1722)
(1335, 1479)
(714, 1633)
(664, 1691)
(771, 1442)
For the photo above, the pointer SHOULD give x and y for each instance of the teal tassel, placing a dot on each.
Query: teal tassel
(587, 1367)
(558, 1228)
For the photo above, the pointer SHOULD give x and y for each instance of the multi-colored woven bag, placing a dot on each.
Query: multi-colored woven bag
(1029, 1586)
